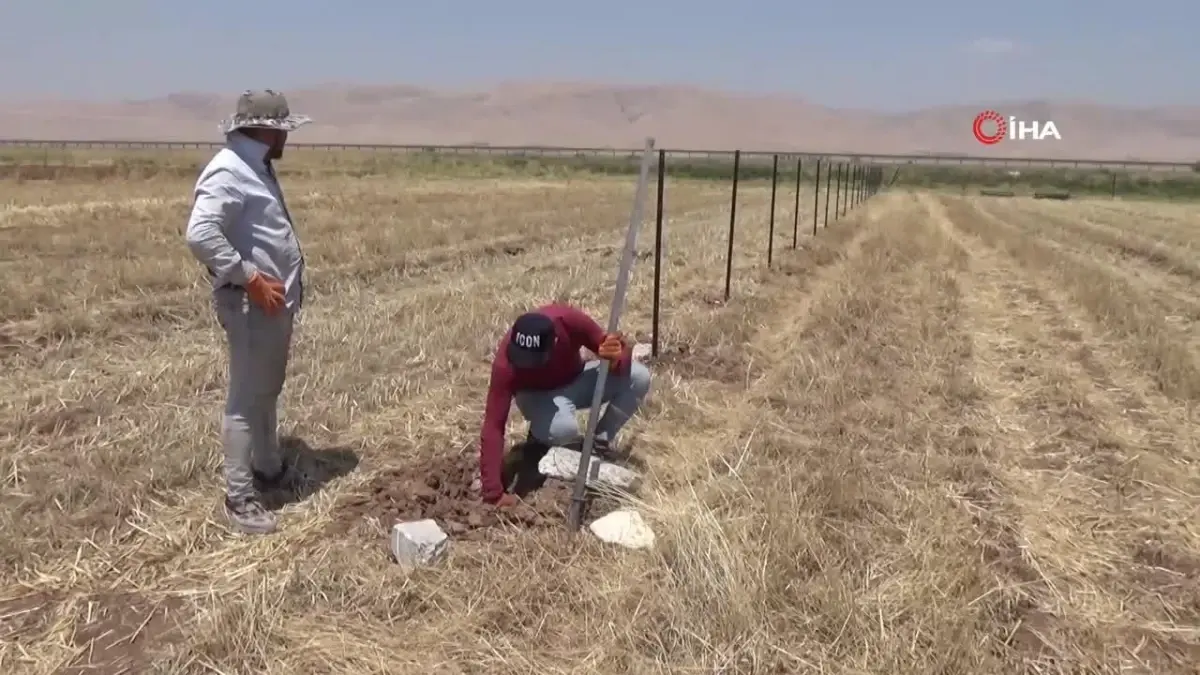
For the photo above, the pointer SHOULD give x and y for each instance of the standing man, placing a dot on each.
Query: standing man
(538, 364)
(240, 229)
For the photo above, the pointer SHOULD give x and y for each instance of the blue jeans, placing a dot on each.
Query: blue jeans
(551, 413)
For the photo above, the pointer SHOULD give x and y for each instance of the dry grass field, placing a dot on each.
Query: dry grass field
(947, 435)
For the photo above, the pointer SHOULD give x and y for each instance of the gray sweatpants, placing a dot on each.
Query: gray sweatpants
(551, 414)
(259, 346)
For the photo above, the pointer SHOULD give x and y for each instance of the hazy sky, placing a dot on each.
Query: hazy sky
(867, 53)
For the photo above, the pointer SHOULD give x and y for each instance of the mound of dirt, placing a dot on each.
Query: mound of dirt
(441, 490)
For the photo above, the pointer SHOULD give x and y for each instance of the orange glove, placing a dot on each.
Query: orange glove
(266, 292)
(611, 347)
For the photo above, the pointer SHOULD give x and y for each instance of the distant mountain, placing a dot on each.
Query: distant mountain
(615, 115)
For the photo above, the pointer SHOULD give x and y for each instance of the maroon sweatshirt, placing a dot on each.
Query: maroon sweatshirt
(573, 329)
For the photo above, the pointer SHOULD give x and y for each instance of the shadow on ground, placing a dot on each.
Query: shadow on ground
(311, 470)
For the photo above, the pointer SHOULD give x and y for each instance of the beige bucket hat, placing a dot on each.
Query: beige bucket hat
(263, 109)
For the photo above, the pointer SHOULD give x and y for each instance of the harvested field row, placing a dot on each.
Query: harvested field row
(1170, 252)
(932, 439)
(1096, 467)
(368, 237)
(1164, 216)
(1172, 315)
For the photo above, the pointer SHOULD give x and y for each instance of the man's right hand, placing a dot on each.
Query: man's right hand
(611, 347)
(266, 292)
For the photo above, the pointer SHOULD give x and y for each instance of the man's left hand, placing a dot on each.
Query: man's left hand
(611, 347)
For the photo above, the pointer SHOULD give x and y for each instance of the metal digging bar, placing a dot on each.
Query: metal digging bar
(579, 497)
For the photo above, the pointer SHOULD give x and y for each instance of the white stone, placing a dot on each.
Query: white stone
(623, 528)
(418, 542)
(563, 463)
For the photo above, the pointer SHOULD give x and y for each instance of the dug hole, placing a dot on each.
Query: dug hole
(423, 542)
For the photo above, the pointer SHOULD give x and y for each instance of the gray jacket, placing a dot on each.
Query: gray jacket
(240, 223)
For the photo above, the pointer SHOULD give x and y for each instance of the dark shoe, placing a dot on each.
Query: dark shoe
(602, 449)
(278, 480)
(520, 464)
(532, 458)
(535, 450)
(249, 516)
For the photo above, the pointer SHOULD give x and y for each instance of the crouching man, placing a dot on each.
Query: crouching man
(538, 366)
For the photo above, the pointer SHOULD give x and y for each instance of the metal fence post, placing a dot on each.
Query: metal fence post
(771, 226)
(817, 195)
(846, 187)
(828, 184)
(796, 207)
(837, 195)
(579, 493)
(658, 250)
(737, 163)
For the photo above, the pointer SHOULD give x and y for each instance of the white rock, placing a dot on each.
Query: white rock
(418, 542)
(623, 528)
(563, 463)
